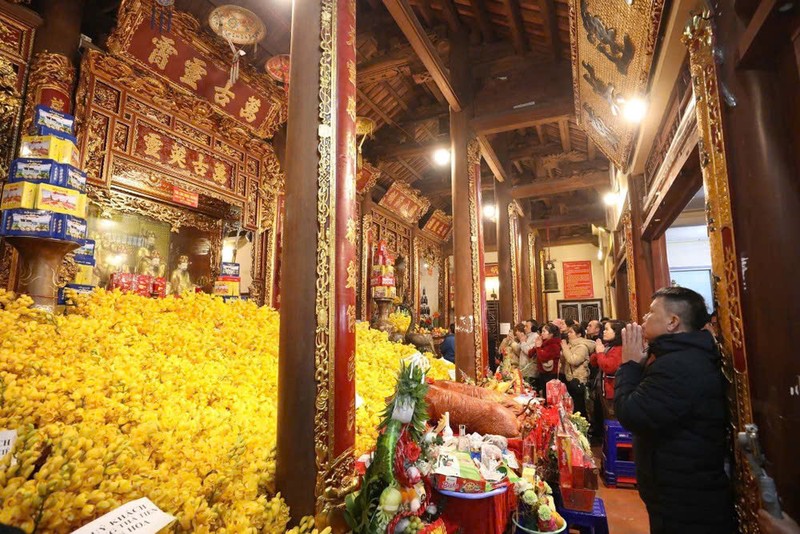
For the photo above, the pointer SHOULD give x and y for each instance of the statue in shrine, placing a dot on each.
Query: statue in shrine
(148, 259)
(179, 281)
(400, 272)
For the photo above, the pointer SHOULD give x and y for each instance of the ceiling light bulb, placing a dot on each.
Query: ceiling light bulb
(600, 254)
(610, 198)
(489, 211)
(634, 110)
(441, 156)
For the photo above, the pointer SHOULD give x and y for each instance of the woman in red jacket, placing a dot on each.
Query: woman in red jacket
(608, 356)
(547, 352)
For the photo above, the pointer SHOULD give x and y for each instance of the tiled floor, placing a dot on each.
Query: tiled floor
(625, 510)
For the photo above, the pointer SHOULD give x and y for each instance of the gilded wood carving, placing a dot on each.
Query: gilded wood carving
(699, 38)
(532, 269)
(473, 164)
(194, 64)
(612, 53)
(627, 227)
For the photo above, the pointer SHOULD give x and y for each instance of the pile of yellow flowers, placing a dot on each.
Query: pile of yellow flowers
(401, 321)
(172, 399)
(128, 397)
(375, 354)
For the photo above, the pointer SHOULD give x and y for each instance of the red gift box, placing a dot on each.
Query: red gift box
(122, 281)
(159, 288)
(581, 500)
(143, 284)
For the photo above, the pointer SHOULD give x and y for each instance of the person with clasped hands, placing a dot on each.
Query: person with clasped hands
(671, 396)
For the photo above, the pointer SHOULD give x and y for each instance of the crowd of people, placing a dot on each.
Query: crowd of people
(664, 383)
(585, 356)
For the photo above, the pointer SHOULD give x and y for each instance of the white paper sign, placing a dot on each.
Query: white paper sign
(140, 517)
(7, 440)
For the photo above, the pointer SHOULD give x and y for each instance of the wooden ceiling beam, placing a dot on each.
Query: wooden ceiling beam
(574, 240)
(426, 12)
(530, 152)
(409, 168)
(555, 186)
(591, 150)
(572, 219)
(405, 18)
(446, 191)
(408, 150)
(563, 130)
(550, 19)
(526, 117)
(451, 15)
(482, 16)
(374, 107)
(515, 23)
(382, 69)
(498, 167)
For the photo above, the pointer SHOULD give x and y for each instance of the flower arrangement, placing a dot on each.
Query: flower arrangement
(536, 510)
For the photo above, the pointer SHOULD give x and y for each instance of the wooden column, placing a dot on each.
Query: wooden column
(642, 249)
(502, 198)
(52, 74)
(316, 411)
(526, 272)
(658, 251)
(470, 296)
(750, 169)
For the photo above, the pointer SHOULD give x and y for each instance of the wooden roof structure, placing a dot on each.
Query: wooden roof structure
(524, 114)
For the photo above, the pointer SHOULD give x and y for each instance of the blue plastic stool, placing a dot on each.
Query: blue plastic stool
(615, 470)
(595, 522)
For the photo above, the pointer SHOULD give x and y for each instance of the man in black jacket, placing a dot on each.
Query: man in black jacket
(671, 396)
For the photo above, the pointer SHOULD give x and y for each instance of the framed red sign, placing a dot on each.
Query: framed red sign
(578, 282)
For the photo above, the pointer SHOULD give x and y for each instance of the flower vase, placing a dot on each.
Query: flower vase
(381, 319)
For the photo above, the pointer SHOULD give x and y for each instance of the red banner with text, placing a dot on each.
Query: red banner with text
(578, 282)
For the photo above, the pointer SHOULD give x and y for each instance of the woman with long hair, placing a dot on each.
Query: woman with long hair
(608, 357)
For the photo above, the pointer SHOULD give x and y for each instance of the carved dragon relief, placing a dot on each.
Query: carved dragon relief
(605, 40)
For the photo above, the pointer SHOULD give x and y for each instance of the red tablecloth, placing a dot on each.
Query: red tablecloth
(485, 516)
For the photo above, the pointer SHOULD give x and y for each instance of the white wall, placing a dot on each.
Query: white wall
(688, 247)
(430, 283)
(580, 252)
(689, 258)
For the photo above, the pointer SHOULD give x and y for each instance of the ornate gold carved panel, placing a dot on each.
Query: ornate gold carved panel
(140, 135)
(613, 45)
(699, 38)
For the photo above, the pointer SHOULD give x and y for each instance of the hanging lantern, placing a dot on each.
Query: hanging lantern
(278, 69)
(550, 277)
(364, 128)
(162, 10)
(238, 26)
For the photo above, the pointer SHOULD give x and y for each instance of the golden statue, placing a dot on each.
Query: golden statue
(179, 281)
(148, 259)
